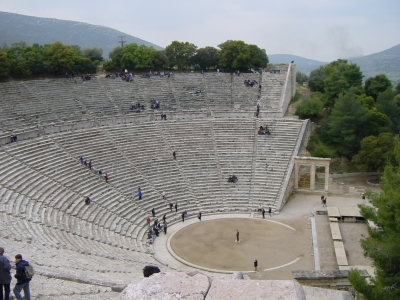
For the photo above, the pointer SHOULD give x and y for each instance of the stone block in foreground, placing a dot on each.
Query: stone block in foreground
(188, 285)
(255, 289)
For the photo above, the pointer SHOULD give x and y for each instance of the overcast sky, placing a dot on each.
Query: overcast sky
(316, 29)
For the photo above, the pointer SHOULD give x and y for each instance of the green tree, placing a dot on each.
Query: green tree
(180, 54)
(311, 108)
(316, 80)
(376, 85)
(346, 122)
(234, 55)
(160, 60)
(258, 57)
(334, 85)
(95, 54)
(375, 152)
(382, 244)
(386, 103)
(59, 57)
(397, 89)
(4, 65)
(206, 58)
(301, 77)
(366, 101)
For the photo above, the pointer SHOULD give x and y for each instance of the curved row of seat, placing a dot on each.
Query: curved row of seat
(26, 105)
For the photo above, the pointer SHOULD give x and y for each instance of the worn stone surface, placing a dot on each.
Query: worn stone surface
(255, 289)
(237, 275)
(175, 285)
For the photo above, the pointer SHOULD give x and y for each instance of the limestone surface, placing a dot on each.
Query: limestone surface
(188, 285)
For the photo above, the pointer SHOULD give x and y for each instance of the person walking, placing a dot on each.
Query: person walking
(176, 207)
(174, 154)
(164, 218)
(270, 212)
(153, 212)
(165, 227)
(237, 237)
(255, 265)
(140, 195)
(183, 216)
(199, 215)
(363, 196)
(22, 281)
(88, 200)
(106, 177)
(171, 206)
(148, 221)
(5, 276)
(263, 213)
(324, 202)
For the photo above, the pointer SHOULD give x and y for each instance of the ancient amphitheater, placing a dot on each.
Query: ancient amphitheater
(85, 250)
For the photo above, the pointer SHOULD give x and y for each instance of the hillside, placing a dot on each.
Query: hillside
(384, 62)
(304, 65)
(15, 28)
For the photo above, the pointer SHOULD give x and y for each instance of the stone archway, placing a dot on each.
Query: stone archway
(312, 162)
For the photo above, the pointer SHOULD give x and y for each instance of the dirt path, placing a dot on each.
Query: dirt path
(305, 92)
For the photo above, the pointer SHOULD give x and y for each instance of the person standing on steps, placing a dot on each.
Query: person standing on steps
(88, 200)
(164, 218)
(263, 213)
(165, 227)
(199, 216)
(23, 282)
(148, 221)
(140, 195)
(270, 212)
(174, 154)
(171, 206)
(5, 276)
(255, 265)
(176, 207)
(183, 216)
(153, 212)
(106, 177)
(324, 202)
(237, 237)
(163, 195)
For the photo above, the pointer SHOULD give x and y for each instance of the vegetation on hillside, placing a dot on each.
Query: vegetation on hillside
(20, 60)
(382, 244)
(355, 121)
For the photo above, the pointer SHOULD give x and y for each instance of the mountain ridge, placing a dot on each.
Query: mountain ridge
(16, 27)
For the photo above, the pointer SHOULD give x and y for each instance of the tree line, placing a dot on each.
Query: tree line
(231, 56)
(20, 60)
(356, 120)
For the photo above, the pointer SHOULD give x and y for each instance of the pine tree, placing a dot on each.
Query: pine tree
(383, 243)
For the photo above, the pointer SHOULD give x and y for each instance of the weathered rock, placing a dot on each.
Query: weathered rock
(255, 289)
(175, 285)
(237, 275)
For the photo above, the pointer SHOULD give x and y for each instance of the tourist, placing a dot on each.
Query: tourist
(140, 195)
(153, 212)
(106, 177)
(183, 216)
(174, 154)
(263, 213)
(163, 195)
(5, 276)
(255, 265)
(363, 196)
(270, 211)
(148, 221)
(199, 215)
(176, 207)
(88, 200)
(171, 205)
(164, 218)
(165, 227)
(237, 236)
(22, 281)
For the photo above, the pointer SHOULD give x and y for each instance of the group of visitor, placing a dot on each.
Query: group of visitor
(87, 77)
(91, 167)
(137, 107)
(155, 104)
(232, 178)
(264, 130)
(249, 84)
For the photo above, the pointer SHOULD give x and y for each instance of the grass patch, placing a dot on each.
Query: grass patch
(318, 149)
(296, 98)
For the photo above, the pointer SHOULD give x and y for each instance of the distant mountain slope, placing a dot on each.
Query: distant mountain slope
(385, 62)
(304, 65)
(15, 28)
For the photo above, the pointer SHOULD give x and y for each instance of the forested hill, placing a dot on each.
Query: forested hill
(15, 28)
(385, 62)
